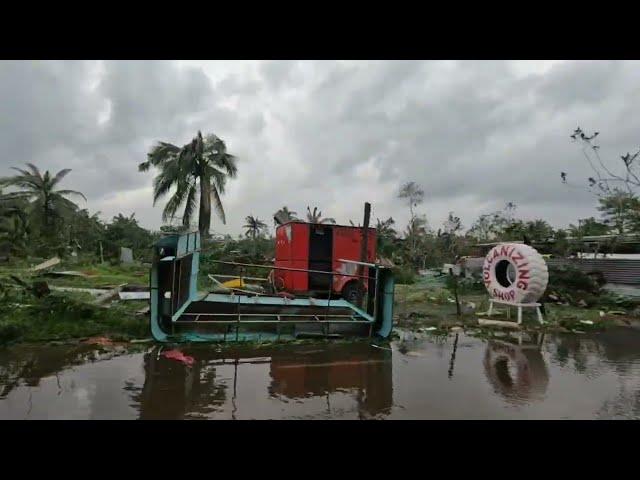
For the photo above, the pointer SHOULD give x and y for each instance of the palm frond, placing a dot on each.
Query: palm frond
(71, 192)
(34, 170)
(59, 176)
(176, 200)
(217, 204)
(190, 205)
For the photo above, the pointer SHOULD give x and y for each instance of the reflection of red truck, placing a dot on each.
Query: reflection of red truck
(312, 246)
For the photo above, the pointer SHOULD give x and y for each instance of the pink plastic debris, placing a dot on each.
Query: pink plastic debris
(179, 356)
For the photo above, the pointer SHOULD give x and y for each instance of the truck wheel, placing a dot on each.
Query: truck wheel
(515, 272)
(353, 293)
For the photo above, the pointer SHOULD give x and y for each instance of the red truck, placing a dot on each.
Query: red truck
(321, 247)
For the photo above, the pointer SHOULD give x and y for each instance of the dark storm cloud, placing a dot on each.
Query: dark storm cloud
(102, 118)
(474, 134)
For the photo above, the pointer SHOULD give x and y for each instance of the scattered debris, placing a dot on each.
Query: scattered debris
(109, 295)
(144, 311)
(47, 264)
(178, 356)
(141, 340)
(427, 329)
(457, 329)
(134, 295)
(98, 341)
(586, 322)
(38, 288)
(582, 303)
(69, 273)
(126, 255)
(617, 312)
(497, 323)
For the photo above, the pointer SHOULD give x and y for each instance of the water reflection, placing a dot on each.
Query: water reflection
(516, 369)
(28, 365)
(424, 376)
(175, 391)
(359, 369)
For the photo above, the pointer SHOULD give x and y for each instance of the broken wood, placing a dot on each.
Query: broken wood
(92, 291)
(134, 295)
(498, 323)
(46, 264)
(108, 295)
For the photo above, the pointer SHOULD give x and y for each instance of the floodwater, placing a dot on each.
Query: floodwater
(589, 376)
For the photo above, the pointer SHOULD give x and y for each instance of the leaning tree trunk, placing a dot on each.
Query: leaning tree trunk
(204, 219)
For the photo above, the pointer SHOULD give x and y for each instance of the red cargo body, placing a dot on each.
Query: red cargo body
(319, 247)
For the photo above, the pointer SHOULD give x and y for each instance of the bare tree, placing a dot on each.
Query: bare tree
(605, 182)
(413, 194)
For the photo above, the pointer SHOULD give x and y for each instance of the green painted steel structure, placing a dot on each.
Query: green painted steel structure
(179, 312)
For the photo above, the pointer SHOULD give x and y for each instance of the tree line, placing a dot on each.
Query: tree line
(40, 218)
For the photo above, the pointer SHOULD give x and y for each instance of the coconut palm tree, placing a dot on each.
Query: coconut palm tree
(316, 216)
(384, 228)
(202, 165)
(284, 215)
(14, 224)
(45, 201)
(254, 226)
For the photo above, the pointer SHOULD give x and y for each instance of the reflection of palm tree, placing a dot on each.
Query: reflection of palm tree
(174, 391)
(32, 366)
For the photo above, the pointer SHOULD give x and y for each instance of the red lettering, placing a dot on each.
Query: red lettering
(517, 257)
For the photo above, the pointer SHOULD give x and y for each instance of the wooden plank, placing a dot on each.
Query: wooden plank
(47, 264)
(498, 323)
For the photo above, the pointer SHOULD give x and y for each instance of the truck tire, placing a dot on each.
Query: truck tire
(352, 292)
(515, 272)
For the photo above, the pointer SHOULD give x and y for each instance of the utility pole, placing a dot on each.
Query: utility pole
(364, 245)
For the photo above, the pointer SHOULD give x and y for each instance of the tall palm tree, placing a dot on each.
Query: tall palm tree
(254, 226)
(284, 215)
(316, 216)
(14, 224)
(39, 190)
(384, 228)
(201, 165)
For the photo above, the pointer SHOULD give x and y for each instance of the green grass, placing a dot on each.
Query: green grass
(430, 303)
(100, 275)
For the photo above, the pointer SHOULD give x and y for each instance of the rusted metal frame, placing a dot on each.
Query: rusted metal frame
(289, 269)
(277, 321)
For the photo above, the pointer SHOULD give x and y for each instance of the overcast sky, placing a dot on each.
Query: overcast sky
(332, 134)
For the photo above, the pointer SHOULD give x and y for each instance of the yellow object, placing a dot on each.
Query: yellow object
(235, 283)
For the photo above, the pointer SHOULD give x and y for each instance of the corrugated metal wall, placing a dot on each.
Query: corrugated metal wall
(614, 270)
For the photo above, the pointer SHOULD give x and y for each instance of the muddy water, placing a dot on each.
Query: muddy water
(417, 377)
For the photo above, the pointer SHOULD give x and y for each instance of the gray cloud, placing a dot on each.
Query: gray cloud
(474, 134)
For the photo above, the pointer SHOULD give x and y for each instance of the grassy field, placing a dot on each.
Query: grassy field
(70, 315)
(67, 315)
(429, 303)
